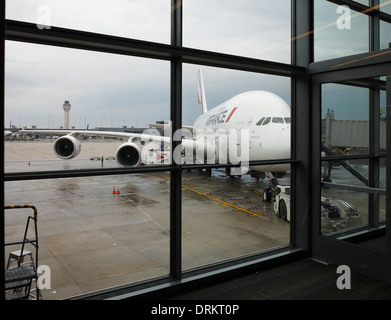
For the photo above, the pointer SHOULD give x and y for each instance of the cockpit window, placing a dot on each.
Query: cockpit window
(266, 121)
(260, 121)
(278, 120)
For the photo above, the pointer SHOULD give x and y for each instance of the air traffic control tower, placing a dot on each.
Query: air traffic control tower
(67, 108)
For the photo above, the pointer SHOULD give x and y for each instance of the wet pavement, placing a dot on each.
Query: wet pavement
(106, 231)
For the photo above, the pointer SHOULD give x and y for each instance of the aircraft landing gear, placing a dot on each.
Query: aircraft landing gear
(270, 192)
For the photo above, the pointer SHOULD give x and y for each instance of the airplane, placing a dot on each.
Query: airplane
(254, 125)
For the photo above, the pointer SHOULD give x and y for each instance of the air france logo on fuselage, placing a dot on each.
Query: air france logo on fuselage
(219, 117)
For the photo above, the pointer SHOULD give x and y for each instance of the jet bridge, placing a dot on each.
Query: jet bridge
(353, 134)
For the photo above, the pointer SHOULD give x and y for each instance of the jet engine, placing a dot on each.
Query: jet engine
(67, 147)
(128, 155)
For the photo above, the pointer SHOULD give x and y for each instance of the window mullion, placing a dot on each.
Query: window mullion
(176, 124)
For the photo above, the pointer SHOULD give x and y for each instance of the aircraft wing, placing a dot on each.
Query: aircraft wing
(81, 134)
(137, 149)
(166, 126)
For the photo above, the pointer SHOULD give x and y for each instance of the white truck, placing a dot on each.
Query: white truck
(336, 214)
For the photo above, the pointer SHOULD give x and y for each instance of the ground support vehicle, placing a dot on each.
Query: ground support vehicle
(336, 214)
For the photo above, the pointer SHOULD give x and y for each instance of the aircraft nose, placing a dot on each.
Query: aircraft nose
(279, 146)
(284, 140)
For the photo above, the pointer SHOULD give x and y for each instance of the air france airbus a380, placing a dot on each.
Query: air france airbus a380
(259, 119)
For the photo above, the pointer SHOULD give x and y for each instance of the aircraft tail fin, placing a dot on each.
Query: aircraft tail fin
(201, 92)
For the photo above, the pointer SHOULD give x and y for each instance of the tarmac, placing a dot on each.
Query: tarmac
(106, 231)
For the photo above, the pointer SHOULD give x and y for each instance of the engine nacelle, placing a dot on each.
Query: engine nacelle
(67, 147)
(128, 155)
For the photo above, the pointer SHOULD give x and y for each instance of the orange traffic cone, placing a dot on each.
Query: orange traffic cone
(113, 190)
(118, 190)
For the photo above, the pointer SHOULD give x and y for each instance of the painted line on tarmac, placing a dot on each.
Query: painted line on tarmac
(224, 203)
(146, 214)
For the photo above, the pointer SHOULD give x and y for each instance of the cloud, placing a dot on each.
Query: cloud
(252, 28)
(147, 20)
(106, 89)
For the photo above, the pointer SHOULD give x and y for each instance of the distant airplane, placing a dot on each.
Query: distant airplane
(254, 125)
(7, 133)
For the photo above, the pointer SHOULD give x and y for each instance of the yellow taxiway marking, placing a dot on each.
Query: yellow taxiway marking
(249, 188)
(224, 203)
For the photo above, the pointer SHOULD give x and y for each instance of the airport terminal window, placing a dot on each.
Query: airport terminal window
(346, 155)
(382, 151)
(121, 100)
(157, 233)
(383, 121)
(364, 2)
(138, 19)
(339, 31)
(345, 105)
(234, 220)
(239, 28)
(342, 211)
(106, 209)
(385, 34)
(91, 236)
(382, 209)
(385, 6)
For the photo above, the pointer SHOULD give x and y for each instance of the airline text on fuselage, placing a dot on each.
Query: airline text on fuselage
(216, 118)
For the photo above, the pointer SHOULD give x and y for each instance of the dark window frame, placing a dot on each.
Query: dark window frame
(303, 73)
(176, 54)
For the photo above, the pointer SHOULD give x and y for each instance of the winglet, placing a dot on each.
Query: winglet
(201, 92)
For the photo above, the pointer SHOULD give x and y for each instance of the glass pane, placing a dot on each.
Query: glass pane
(226, 217)
(382, 211)
(228, 214)
(256, 29)
(364, 2)
(345, 119)
(342, 210)
(267, 121)
(339, 31)
(349, 172)
(94, 233)
(385, 6)
(277, 120)
(237, 100)
(385, 35)
(346, 132)
(259, 123)
(145, 20)
(51, 88)
(383, 144)
(383, 122)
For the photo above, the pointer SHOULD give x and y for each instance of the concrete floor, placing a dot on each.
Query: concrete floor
(92, 239)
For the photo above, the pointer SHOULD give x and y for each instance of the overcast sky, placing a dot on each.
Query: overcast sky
(111, 90)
